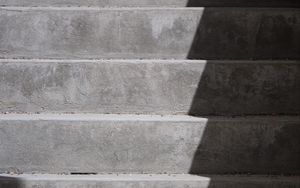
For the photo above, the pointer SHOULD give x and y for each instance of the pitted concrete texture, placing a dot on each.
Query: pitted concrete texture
(145, 181)
(150, 86)
(87, 143)
(151, 3)
(164, 33)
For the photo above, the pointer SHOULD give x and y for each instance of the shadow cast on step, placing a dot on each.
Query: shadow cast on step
(245, 88)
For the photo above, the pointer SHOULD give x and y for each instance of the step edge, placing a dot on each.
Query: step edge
(133, 61)
(139, 117)
(145, 177)
(94, 8)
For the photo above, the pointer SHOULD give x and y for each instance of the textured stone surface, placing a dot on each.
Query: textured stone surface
(196, 33)
(151, 3)
(145, 181)
(150, 86)
(89, 143)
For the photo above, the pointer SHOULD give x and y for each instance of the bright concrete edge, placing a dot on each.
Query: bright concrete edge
(145, 177)
(135, 117)
(149, 181)
(165, 61)
(109, 177)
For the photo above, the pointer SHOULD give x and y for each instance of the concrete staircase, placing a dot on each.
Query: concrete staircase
(149, 93)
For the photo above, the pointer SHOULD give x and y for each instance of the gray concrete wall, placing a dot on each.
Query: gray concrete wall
(148, 144)
(223, 33)
(150, 86)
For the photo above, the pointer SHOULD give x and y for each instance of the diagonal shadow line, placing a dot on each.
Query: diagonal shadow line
(224, 149)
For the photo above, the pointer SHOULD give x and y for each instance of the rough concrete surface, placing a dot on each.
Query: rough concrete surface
(151, 3)
(195, 33)
(150, 86)
(146, 181)
(87, 143)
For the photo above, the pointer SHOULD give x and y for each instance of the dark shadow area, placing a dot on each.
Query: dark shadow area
(243, 88)
(243, 3)
(243, 33)
(10, 182)
(248, 147)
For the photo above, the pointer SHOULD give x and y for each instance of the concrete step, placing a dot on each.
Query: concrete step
(146, 181)
(164, 33)
(150, 86)
(87, 143)
(152, 3)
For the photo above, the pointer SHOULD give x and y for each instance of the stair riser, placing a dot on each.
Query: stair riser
(224, 33)
(214, 146)
(156, 87)
(150, 3)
